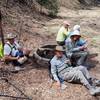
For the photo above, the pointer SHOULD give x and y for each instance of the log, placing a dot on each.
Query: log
(45, 53)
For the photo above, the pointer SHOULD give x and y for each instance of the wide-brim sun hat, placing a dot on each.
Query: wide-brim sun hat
(75, 33)
(59, 48)
(10, 36)
(66, 23)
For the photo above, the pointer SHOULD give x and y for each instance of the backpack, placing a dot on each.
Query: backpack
(1, 50)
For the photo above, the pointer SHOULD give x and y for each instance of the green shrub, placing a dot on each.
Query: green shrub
(51, 5)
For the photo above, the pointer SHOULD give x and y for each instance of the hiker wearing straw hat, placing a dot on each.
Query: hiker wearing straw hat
(13, 52)
(63, 33)
(62, 69)
(76, 51)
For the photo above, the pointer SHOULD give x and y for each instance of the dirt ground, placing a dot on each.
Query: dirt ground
(36, 82)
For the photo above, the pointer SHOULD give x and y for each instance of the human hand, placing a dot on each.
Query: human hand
(85, 46)
(63, 86)
(67, 61)
(17, 57)
(82, 47)
(58, 84)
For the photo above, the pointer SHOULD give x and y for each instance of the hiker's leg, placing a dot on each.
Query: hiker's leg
(80, 57)
(85, 71)
(16, 63)
(83, 57)
(77, 76)
(74, 59)
(19, 54)
(26, 52)
(60, 43)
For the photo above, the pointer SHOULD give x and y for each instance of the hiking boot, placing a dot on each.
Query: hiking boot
(95, 91)
(97, 82)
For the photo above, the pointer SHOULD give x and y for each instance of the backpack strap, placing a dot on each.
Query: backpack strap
(11, 47)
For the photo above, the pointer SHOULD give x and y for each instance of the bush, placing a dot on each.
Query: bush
(51, 5)
(89, 2)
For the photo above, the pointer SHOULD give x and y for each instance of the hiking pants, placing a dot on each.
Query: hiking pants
(61, 43)
(79, 57)
(76, 74)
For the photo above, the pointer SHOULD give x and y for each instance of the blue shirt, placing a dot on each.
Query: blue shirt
(74, 46)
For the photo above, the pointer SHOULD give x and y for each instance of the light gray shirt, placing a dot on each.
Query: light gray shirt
(58, 65)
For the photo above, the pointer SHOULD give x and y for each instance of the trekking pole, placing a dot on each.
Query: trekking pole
(1, 31)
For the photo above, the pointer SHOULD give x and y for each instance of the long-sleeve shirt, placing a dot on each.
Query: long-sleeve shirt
(74, 46)
(58, 65)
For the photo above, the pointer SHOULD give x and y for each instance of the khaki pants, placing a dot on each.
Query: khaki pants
(77, 74)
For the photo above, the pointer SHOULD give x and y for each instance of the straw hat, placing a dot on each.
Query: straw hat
(59, 48)
(10, 36)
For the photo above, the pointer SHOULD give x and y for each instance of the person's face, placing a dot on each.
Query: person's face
(11, 40)
(75, 38)
(59, 54)
(66, 26)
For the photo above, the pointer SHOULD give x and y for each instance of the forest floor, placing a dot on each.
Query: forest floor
(35, 33)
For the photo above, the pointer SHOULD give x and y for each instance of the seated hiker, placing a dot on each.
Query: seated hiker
(13, 52)
(78, 28)
(63, 33)
(76, 48)
(62, 69)
(81, 41)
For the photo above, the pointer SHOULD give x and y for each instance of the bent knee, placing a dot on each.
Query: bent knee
(79, 74)
(82, 67)
(86, 53)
